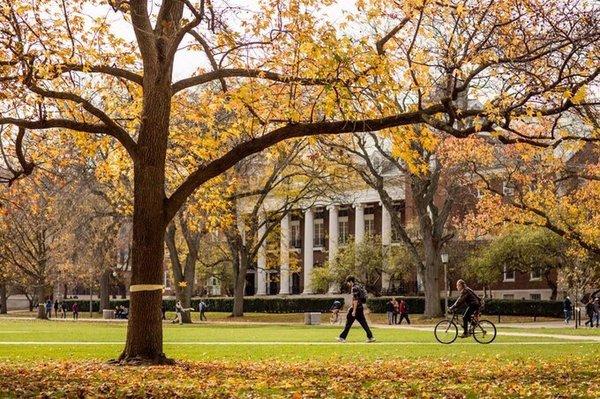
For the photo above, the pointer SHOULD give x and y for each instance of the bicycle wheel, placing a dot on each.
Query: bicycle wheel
(445, 332)
(484, 332)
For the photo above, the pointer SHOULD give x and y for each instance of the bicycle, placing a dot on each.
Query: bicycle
(483, 331)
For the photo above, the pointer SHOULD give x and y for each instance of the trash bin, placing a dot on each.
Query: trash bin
(312, 318)
(108, 314)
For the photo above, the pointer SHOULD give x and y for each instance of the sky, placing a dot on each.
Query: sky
(186, 61)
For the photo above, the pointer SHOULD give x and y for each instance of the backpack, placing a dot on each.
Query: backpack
(361, 293)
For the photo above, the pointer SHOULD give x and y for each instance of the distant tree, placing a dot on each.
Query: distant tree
(367, 261)
(34, 220)
(525, 249)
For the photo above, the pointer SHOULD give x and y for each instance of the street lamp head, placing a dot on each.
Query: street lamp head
(444, 257)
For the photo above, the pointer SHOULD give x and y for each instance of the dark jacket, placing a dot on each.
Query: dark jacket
(390, 306)
(467, 297)
(567, 304)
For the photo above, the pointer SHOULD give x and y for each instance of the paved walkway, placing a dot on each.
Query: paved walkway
(565, 337)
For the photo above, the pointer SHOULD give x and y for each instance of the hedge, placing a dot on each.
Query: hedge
(503, 307)
(251, 304)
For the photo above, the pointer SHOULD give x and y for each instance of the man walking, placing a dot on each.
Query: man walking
(357, 311)
(202, 308)
(391, 309)
(48, 308)
(567, 307)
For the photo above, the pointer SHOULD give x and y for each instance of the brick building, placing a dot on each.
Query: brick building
(315, 234)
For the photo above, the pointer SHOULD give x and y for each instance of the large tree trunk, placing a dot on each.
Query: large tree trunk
(104, 291)
(241, 264)
(3, 298)
(431, 278)
(144, 342)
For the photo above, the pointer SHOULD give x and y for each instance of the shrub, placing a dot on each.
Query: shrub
(504, 307)
(225, 304)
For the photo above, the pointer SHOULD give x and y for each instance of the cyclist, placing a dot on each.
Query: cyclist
(469, 297)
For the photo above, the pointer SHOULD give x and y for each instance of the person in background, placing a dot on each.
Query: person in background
(179, 309)
(396, 310)
(202, 308)
(56, 307)
(335, 312)
(403, 310)
(567, 307)
(75, 310)
(163, 310)
(391, 310)
(124, 312)
(63, 309)
(49, 308)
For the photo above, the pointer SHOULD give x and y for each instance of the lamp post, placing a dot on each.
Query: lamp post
(444, 257)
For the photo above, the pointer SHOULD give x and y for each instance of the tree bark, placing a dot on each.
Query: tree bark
(241, 264)
(3, 298)
(431, 278)
(105, 290)
(144, 344)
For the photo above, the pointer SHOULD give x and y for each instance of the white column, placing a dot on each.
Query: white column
(386, 241)
(284, 256)
(334, 288)
(359, 223)
(309, 228)
(261, 272)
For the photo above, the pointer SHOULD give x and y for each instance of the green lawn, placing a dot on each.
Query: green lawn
(68, 359)
(98, 340)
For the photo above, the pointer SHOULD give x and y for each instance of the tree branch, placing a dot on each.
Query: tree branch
(219, 165)
(246, 73)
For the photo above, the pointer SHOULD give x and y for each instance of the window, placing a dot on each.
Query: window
(369, 224)
(509, 275)
(508, 296)
(296, 242)
(319, 233)
(535, 275)
(535, 297)
(508, 189)
(343, 230)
